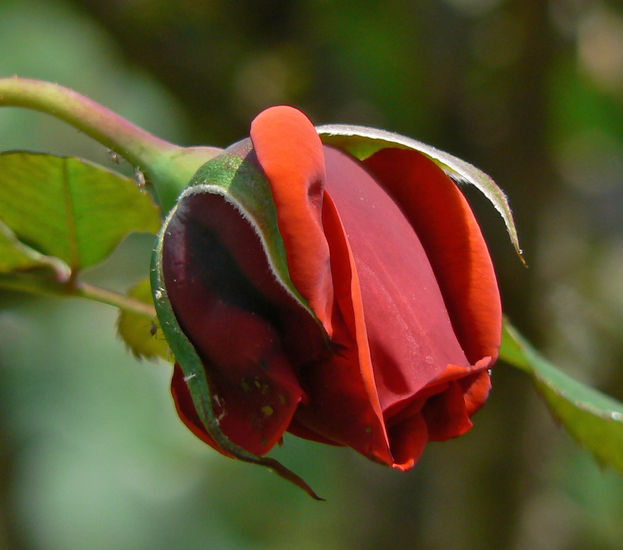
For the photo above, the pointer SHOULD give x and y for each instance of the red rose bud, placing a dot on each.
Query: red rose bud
(351, 302)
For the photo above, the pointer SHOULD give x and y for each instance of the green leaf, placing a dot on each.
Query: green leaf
(15, 255)
(68, 208)
(142, 333)
(592, 418)
(362, 142)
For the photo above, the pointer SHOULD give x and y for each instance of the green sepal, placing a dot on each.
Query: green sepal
(362, 142)
(234, 177)
(238, 179)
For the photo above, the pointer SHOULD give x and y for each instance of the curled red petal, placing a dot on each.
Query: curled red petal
(409, 330)
(476, 389)
(186, 409)
(448, 403)
(453, 242)
(344, 405)
(290, 153)
(218, 279)
(446, 415)
(409, 438)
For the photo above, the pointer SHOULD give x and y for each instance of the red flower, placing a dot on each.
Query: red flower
(380, 334)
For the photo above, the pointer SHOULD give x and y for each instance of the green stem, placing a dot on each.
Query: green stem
(34, 284)
(110, 297)
(134, 143)
(168, 166)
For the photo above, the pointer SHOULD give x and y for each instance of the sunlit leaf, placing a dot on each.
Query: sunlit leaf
(16, 256)
(69, 208)
(362, 142)
(594, 419)
(142, 333)
(12, 255)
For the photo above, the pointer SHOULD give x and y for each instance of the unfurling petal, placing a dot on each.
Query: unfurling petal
(345, 406)
(448, 230)
(290, 153)
(213, 263)
(409, 331)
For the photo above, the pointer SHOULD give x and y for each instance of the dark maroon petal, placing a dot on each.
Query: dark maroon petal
(218, 279)
(299, 430)
(186, 409)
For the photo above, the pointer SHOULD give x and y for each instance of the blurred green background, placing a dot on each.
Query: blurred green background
(92, 454)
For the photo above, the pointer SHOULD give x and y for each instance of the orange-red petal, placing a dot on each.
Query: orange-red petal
(290, 153)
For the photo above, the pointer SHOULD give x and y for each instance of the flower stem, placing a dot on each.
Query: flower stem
(27, 282)
(112, 298)
(169, 167)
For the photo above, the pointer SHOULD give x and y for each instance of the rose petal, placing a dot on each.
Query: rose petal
(299, 430)
(450, 400)
(454, 244)
(186, 409)
(410, 334)
(212, 262)
(409, 438)
(345, 407)
(475, 391)
(290, 153)
(446, 415)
